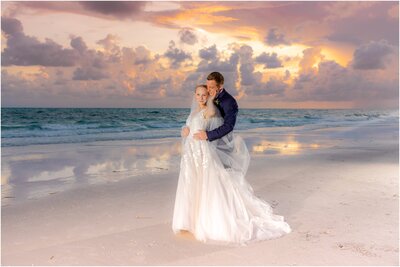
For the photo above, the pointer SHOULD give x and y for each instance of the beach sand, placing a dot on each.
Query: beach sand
(111, 203)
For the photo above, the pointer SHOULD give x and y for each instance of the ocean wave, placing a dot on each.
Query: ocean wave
(25, 126)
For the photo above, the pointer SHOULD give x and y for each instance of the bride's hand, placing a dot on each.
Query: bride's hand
(185, 131)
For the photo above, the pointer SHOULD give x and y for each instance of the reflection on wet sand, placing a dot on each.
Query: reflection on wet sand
(42, 172)
(33, 172)
(290, 146)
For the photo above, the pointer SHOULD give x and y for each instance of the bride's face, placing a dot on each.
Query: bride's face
(201, 95)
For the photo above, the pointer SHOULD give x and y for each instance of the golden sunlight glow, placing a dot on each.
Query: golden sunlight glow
(285, 148)
(288, 147)
(247, 33)
(342, 56)
(288, 50)
(127, 85)
(5, 174)
(159, 162)
(29, 73)
(201, 30)
(161, 6)
(239, 88)
(3, 41)
(315, 65)
(24, 69)
(197, 16)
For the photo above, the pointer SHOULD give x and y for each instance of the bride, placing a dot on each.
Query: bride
(213, 200)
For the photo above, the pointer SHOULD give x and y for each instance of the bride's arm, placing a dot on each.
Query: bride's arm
(185, 128)
(185, 131)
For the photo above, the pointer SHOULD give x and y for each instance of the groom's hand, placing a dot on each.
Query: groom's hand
(200, 135)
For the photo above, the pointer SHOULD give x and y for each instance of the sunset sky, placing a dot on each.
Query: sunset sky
(273, 54)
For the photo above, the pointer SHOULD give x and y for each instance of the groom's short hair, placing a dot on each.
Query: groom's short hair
(217, 77)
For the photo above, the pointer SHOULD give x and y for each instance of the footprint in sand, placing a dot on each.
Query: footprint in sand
(357, 247)
(140, 253)
(385, 248)
(315, 237)
(152, 244)
(310, 236)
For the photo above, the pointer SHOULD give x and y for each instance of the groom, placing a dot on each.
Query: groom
(225, 103)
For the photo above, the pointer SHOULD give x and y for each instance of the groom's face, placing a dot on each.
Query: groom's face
(213, 88)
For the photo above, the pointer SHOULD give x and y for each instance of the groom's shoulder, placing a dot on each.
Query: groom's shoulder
(229, 100)
(227, 95)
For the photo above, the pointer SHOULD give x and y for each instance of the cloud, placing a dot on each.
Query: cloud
(176, 55)
(342, 9)
(78, 44)
(210, 62)
(372, 55)
(209, 53)
(118, 9)
(16, 90)
(332, 25)
(11, 26)
(154, 88)
(254, 17)
(252, 83)
(25, 50)
(270, 60)
(274, 38)
(247, 75)
(142, 55)
(333, 83)
(187, 36)
(310, 57)
(273, 87)
(89, 73)
(110, 43)
(362, 22)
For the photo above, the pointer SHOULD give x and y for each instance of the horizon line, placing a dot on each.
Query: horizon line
(189, 108)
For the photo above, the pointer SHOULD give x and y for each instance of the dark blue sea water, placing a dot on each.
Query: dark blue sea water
(26, 126)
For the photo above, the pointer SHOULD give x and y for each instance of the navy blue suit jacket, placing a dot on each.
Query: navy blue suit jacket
(228, 107)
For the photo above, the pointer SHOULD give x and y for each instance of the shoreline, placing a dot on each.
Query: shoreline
(340, 198)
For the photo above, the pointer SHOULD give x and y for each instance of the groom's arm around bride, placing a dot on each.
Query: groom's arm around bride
(229, 110)
(225, 103)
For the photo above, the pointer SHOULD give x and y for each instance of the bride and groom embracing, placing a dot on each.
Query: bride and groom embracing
(213, 200)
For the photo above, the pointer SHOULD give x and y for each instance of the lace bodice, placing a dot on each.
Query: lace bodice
(197, 122)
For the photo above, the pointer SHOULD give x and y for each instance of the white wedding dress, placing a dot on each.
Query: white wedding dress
(213, 200)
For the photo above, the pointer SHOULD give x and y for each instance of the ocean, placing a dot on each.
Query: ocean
(28, 126)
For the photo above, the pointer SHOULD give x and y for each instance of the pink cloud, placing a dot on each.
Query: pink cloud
(25, 50)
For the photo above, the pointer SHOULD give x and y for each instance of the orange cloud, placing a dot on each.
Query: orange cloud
(247, 33)
(200, 16)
